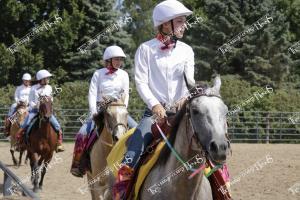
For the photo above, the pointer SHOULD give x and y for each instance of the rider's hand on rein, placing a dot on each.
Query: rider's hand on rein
(159, 111)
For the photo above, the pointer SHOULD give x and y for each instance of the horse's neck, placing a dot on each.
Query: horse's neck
(183, 141)
(183, 145)
(22, 112)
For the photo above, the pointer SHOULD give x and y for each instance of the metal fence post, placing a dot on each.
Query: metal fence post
(7, 185)
(280, 126)
(9, 177)
(268, 128)
(256, 113)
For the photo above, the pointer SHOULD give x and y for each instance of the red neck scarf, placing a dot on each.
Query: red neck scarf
(111, 70)
(168, 43)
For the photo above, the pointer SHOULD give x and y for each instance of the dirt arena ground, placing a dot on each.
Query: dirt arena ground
(259, 172)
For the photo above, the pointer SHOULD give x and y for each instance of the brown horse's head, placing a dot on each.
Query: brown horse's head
(45, 109)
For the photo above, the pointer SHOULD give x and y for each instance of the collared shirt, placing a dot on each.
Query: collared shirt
(22, 93)
(103, 84)
(159, 73)
(36, 92)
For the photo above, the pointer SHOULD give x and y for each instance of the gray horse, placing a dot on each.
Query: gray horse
(200, 132)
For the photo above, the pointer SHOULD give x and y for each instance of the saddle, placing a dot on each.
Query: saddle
(165, 125)
(34, 123)
(85, 160)
(30, 127)
(148, 158)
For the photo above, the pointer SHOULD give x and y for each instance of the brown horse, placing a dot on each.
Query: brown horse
(42, 143)
(115, 120)
(16, 120)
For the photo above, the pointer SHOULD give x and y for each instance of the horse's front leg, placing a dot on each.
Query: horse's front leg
(34, 171)
(27, 157)
(20, 157)
(47, 160)
(13, 157)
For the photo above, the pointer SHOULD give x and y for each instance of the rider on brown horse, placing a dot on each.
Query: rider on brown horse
(21, 96)
(42, 89)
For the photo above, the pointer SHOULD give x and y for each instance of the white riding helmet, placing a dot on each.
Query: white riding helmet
(168, 10)
(113, 51)
(42, 74)
(26, 77)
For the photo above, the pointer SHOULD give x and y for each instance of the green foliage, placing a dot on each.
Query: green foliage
(99, 18)
(260, 58)
(7, 95)
(73, 95)
(237, 92)
(55, 49)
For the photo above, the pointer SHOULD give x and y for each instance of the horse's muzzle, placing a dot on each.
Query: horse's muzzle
(218, 150)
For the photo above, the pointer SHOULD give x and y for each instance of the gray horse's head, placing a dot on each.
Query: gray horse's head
(208, 118)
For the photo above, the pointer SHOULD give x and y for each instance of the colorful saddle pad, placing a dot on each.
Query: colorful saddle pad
(116, 155)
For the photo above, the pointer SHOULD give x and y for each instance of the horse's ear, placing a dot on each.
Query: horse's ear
(189, 83)
(122, 97)
(217, 84)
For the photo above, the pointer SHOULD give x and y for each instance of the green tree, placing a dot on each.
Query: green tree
(100, 17)
(259, 55)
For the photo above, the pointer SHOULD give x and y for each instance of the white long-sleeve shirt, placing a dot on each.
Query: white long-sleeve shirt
(22, 93)
(103, 84)
(37, 91)
(159, 73)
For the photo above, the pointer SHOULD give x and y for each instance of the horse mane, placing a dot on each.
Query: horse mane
(165, 152)
(99, 117)
(45, 107)
(20, 105)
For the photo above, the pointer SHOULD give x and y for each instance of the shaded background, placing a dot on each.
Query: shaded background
(260, 58)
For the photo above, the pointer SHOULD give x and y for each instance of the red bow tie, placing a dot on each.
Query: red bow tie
(111, 70)
(166, 41)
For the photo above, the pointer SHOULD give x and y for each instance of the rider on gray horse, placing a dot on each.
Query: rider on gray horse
(159, 67)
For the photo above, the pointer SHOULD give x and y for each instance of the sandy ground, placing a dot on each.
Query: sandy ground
(259, 172)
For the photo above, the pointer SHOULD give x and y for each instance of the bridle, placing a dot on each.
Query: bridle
(112, 130)
(197, 92)
(18, 113)
(194, 93)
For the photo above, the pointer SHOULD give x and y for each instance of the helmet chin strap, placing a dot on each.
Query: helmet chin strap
(111, 64)
(43, 81)
(174, 38)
